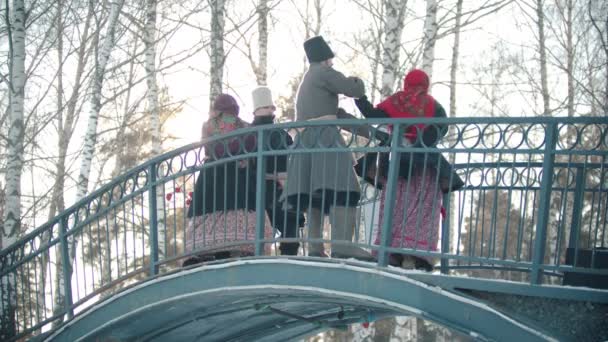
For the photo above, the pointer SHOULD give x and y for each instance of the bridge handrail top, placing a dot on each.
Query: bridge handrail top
(144, 167)
(451, 120)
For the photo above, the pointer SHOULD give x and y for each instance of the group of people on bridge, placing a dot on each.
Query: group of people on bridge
(319, 183)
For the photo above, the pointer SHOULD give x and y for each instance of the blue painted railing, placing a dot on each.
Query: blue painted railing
(509, 221)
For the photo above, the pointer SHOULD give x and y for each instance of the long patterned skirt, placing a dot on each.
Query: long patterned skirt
(220, 231)
(416, 214)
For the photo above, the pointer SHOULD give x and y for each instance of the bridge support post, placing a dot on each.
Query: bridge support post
(67, 267)
(153, 220)
(540, 238)
(260, 194)
(579, 192)
(445, 234)
(393, 170)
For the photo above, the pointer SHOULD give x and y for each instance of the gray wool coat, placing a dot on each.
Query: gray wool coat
(322, 179)
(319, 90)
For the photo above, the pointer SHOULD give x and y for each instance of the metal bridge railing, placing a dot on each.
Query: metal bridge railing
(533, 207)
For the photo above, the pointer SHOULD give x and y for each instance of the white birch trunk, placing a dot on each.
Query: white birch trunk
(154, 112)
(105, 246)
(601, 40)
(14, 164)
(571, 94)
(375, 66)
(216, 72)
(90, 136)
(96, 88)
(540, 13)
(414, 328)
(570, 56)
(57, 203)
(455, 54)
(393, 27)
(430, 37)
(150, 66)
(596, 13)
(555, 205)
(571, 136)
(66, 130)
(261, 72)
(377, 35)
(605, 47)
(452, 112)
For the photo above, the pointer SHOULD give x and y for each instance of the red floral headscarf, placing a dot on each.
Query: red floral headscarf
(412, 102)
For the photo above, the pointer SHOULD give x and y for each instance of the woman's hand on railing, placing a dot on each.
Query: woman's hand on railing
(277, 177)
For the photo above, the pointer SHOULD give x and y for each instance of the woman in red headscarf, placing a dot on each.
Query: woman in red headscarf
(423, 176)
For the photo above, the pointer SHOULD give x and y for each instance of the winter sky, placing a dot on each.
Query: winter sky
(341, 21)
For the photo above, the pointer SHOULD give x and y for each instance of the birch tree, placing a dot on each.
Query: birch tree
(216, 53)
(393, 27)
(455, 54)
(511, 233)
(569, 9)
(96, 88)
(557, 218)
(437, 27)
(14, 165)
(312, 27)
(555, 45)
(552, 222)
(2, 204)
(261, 69)
(542, 51)
(57, 198)
(150, 66)
(561, 24)
(570, 26)
(366, 42)
(91, 133)
(537, 72)
(259, 63)
(452, 110)
(430, 37)
(595, 11)
(153, 110)
(66, 123)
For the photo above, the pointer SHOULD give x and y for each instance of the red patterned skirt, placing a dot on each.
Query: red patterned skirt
(416, 212)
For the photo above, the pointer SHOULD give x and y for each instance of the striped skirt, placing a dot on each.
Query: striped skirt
(222, 231)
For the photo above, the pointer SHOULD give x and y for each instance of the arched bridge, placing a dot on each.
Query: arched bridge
(521, 251)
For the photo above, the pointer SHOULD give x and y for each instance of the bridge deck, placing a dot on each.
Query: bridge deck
(281, 299)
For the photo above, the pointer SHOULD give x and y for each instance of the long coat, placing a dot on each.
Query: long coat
(318, 178)
(226, 186)
(275, 139)
(286, 221)
(411, 161)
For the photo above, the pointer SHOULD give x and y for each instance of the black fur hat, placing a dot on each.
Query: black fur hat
(317, 49)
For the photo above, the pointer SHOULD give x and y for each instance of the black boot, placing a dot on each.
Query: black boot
(395, 260)
(197, 259)
(289, 248)
(422, 264)
(192, 261)
(223, 255)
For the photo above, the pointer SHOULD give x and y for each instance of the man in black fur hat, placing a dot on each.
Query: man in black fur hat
(324, 183)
